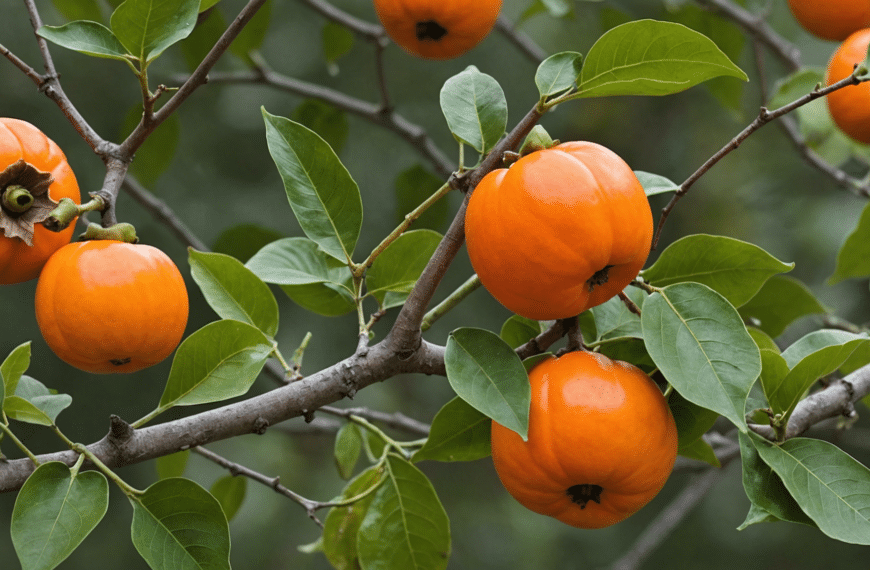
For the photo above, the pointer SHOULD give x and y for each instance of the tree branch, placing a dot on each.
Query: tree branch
(838, 399)
(163, 214)
(253, 415)
(524, 43)
(368, 30)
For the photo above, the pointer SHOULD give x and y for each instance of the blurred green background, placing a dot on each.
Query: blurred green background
(221, 176)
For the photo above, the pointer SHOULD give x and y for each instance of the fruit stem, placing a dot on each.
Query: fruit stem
(17, 199)
(119, 232)
(67, 211)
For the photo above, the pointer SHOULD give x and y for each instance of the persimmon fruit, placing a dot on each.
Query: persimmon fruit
(562, 230)
(437, 29)
(106, 306)
(26, 154)
(601, 442)
(850, 106)
(831, 19)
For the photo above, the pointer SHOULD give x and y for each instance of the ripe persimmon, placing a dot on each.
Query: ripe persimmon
(437, 29)
(831, 19)
(562, 230)
(106, 306)
(35, 168)
(601, 442)
(850, 106)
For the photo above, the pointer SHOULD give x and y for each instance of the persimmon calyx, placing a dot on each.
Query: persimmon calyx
(119, 232)
(537, 139)
(24, 200)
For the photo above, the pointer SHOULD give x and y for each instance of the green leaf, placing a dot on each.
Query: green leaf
(485, 372)
(13, 367)
(178, 525)
(233, 291)
(342, 524)
(324, 197)
(413, 186)
(692, 420)
(762, 339)
(244, 240)
(33, 403)
(157, 152)
(459, 433)
(779, 302)
(810, 358)
(206, 4)
(405, 523)
(735, 269)
(829, 486)
(251, 37)
(79, 9)
(700, 450)
(517, 330)
(655, 184)
(327, 121)
(230, 493)
(400, 265)
(337, 41)
(89, 38)
(853, 260)
(647, 57)
(614, 320)
(774, 369)
(219, 361)
(630, 350)
(558, 73)
(764, 487)
(700, 344)
(475, 108)
(147, 27)
(172, 465)
(348, 446)
(54, 512)
(313, 279)
(756, 515)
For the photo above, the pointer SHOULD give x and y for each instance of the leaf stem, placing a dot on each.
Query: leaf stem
(89, 455)
(377, 431)
(148, 417)
(5, 429)
(358, 270)
(456, 297)
(280, 358)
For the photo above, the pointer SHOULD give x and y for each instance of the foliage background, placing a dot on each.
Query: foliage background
(221, 176)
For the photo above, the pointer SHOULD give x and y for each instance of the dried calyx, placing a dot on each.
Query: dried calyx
(24, 200)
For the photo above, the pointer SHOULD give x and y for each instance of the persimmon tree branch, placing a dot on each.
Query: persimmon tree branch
(163, 213)
(524, 43)
(250, 416)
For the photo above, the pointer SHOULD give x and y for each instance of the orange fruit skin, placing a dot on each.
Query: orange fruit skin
(850, 106)
(593, 421)
(105, 306)
(20, 262)
(831, 19)
(539, 231)
(466, 24)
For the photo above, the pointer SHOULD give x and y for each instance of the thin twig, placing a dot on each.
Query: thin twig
(764, 117)
(543, 341)
(396, 420)
(471, 285)
(354, 24)
(658, 530)
(163, 213)
(413, 134)
(787, 52)
(526, 45)
(274, 483)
